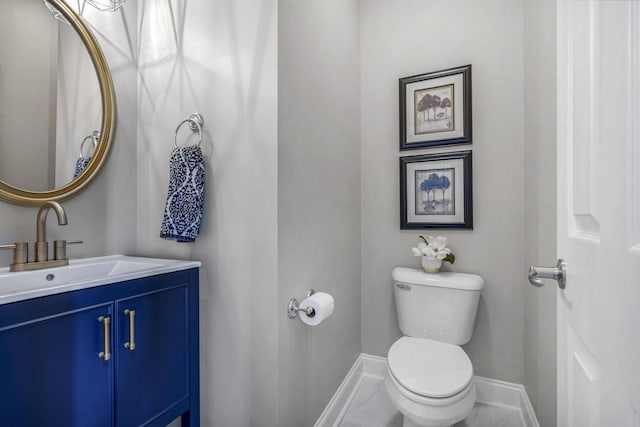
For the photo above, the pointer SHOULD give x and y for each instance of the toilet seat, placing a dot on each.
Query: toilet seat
(428, 368)
(428, 411)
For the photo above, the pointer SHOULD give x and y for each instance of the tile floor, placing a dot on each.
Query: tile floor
(371, 407)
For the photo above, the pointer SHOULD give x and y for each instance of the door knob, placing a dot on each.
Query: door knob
(536, 274)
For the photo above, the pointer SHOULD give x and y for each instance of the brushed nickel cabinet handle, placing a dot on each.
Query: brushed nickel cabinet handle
(131, 345)
(106, 322)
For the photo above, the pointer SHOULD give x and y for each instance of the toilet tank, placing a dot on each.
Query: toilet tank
(440, 306)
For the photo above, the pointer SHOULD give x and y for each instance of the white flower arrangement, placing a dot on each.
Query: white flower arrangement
(434, 248)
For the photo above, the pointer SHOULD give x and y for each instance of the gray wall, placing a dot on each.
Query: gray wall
(219, 58)
(318, 198)
(411, 37)
(540, 205)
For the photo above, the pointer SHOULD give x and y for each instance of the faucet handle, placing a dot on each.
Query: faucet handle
(60, 248)
(20, 252)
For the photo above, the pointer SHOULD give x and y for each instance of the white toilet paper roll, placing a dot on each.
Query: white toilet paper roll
(322, 304)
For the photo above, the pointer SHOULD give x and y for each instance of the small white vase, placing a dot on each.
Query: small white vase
(431, 265)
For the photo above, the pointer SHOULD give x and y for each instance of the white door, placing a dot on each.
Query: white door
(599, 213)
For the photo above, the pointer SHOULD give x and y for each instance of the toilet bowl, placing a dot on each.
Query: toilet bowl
(429, 382)
(429, 377)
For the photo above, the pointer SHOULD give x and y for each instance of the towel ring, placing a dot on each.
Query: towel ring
(195, 123)
(94, 139)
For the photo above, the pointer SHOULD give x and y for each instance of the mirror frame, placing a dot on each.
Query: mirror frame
(18, 196)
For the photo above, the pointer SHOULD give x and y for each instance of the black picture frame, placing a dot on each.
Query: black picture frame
(451, 122)
(453, 178)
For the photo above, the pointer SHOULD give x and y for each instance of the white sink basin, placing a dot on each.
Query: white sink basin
(81, 274)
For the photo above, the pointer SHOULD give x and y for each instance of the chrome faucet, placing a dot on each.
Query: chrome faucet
(42, 246)
(21, 249)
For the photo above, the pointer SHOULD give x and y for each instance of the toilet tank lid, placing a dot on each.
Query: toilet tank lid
(415, 276)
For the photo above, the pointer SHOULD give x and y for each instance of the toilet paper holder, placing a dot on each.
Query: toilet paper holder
(293, 308)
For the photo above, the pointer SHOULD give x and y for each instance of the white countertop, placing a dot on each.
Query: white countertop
(83, 274)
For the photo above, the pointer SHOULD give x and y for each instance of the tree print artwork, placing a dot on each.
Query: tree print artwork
(434, 109)
(435, 192)
(436, 189)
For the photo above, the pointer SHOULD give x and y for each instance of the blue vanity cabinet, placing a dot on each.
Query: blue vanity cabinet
(43, 383)
(52, 372)
(158, 360)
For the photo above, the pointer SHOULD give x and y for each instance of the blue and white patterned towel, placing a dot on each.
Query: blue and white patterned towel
(185, 201)
(81, 164)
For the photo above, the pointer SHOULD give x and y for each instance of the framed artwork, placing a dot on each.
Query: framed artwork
(435, 108)
(435, 191)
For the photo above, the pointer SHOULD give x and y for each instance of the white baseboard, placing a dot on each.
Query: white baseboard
(334, 411)
(502, 394)
(490, 392)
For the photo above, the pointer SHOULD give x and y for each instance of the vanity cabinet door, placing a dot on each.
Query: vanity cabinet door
(152, 377)
(51, 374)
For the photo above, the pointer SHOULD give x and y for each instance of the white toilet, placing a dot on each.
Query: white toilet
(428, 374)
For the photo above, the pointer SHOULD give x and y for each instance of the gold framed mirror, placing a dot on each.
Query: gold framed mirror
(9, 192)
